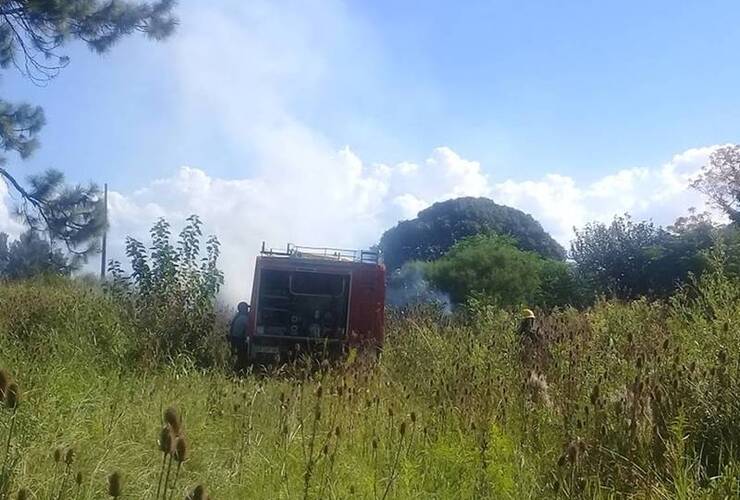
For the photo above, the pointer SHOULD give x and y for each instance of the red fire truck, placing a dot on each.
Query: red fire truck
(320, 300)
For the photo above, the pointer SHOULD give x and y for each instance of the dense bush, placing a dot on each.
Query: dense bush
(170, 294)
(493, 269)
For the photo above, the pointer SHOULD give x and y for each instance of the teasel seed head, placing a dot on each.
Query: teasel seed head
(58, 452)
(199, 493)
(402, 430)
(722, 356)
(78, 478)
(12, 396)
(181, 450)
(5, 380)
(375, 443)
(574, 451)
(413, 417)
(172, 418)
(23, 494)
(166, 440)
(69, 456)
(595, 394)
(114, 484)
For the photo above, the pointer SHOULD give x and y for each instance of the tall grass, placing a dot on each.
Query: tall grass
(629, 399)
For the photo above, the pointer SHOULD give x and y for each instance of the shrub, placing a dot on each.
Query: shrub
(171, 293)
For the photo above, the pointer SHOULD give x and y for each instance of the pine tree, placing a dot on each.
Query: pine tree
(32, 36)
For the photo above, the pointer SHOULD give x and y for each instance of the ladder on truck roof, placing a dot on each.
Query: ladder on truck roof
(328, 253)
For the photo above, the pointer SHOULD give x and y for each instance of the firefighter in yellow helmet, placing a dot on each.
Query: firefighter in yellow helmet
(533, 348)
(526, 326)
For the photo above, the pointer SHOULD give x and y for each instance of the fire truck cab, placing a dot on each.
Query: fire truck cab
(316, 300)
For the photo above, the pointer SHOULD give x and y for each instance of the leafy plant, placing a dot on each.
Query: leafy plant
(493, 269)
(171, 291)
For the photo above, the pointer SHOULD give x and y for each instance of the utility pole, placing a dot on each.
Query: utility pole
(105, 232)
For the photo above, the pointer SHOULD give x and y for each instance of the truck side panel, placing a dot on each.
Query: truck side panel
(367, 306)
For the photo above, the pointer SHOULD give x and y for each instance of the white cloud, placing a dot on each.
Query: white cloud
(8, 222)
(341, 202)
(659, 193)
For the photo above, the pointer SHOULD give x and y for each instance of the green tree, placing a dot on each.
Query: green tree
(628, 259)
(493, 268)
(31, 256)
(437, 228)
(720, 180)
(32, 36)
(561, 285)
(730, 238)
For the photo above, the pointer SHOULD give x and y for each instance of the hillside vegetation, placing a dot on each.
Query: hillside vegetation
(635, 398)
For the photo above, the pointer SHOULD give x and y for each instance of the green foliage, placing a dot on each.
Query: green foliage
(19, 125)
(31, 256)
(494, 269)
(489, 266)
(171, 292)
(74, 215)
(439, 227)
(31, 35)
(730, 238)
(560, 285)
(629, 259)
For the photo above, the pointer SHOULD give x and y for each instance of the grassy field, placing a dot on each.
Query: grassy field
(634, 400)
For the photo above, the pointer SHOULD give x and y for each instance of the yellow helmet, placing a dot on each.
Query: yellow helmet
(527, 314)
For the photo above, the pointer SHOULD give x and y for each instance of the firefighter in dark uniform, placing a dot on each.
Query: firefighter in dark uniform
(238, 334)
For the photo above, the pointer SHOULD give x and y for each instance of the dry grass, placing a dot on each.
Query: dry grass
(633, 399)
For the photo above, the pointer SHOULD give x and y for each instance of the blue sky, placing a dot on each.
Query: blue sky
(572, 111)
(524, 87)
